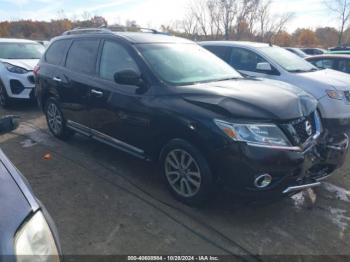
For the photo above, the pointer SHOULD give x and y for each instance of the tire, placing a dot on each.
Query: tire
(5, 100)
(56, 121)
(186, 173)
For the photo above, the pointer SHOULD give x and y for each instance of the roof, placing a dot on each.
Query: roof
(139, 37)
(15, 40)
(133, 37)
(235, 43)
(329, 56)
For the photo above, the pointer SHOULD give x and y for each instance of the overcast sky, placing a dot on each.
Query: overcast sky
(308, 13)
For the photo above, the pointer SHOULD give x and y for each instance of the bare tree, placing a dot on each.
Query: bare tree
(269, 25)
(341, 8)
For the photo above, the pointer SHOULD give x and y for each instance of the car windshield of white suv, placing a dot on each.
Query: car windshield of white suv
(288, 60)
(21, 51)
(185, 64)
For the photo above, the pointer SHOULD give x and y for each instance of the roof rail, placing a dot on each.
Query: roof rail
(77, 31)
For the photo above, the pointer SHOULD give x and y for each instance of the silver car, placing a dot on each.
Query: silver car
(18, 58)
(331, 88)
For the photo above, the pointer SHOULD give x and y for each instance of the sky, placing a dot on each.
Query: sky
(151, 13)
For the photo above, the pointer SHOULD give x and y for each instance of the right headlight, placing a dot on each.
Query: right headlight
(268, 135)
(34, 239)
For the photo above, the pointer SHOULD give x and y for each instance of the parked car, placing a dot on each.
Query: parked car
(167, 99)
(17, 60)
(342, 52)
(339, 48)
(336, 62)
(296, 51)
(313, 51)
(27, 232)
(331, 88)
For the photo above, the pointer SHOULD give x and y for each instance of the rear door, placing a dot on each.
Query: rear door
(78, 82)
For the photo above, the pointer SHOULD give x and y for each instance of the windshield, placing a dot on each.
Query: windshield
(287, 60)
(21, 51)
(183, 64)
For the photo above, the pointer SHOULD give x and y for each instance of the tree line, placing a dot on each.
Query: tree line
(251, 20)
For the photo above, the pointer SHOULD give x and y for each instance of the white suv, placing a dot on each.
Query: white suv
(17, 61)
(331, 88)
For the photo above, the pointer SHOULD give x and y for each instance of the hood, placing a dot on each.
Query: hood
(252, 99)
(331, 78)
(27, 64)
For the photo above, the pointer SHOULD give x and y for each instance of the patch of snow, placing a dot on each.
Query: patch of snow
(341, 193)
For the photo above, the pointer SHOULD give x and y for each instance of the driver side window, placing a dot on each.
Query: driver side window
(246, 60)
(115, 58)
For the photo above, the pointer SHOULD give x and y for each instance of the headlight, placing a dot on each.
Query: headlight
(258, 134)
(15, 69)
(35, 239)
(335, 94)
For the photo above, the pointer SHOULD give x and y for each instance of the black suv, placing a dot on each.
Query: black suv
(167, 99)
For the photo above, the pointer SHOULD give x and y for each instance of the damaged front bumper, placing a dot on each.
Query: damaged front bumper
(289, 170)
(322, 159)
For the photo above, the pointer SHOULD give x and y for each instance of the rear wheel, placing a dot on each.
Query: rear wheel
(186, 173)
(4, 98)
(55, 120)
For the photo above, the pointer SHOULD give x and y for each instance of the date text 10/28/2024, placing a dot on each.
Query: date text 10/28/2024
(173, 258)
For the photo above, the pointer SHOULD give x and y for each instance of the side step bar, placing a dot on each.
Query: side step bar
(297, 188)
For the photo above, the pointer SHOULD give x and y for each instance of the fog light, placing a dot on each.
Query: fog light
(263, 181)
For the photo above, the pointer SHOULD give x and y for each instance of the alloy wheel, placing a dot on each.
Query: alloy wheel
(54, 118)
(2, 96)
(183, 173)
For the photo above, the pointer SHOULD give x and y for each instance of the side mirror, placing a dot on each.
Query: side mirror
(8, 124)
(264, 67)
(128, 77)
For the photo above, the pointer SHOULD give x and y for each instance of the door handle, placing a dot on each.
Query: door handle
(96, 93)
(57, 79)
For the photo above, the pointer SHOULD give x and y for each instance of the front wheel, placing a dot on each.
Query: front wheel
(55, 120)
(186, 173)
(4, 98)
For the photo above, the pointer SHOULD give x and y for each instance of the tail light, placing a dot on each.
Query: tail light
(36, 70)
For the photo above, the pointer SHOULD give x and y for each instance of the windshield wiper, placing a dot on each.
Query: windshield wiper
(303, 71)
(226, 79)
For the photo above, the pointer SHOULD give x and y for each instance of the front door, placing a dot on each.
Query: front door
(119, 115)
(245, 61)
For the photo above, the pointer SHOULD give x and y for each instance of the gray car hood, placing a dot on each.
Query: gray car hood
(338, 80)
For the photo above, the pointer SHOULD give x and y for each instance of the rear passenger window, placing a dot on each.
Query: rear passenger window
(56, 52)
(114, 59)
(82, 56)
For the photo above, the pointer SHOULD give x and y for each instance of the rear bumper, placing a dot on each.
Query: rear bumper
(238, 167)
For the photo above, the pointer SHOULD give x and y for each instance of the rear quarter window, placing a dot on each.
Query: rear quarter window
(82, 56)
(56, 52)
